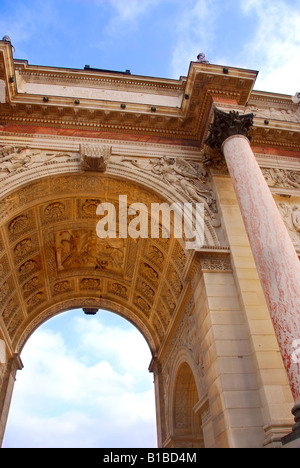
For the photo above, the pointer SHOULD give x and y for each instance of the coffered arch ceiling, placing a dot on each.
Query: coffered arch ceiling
(52, 260)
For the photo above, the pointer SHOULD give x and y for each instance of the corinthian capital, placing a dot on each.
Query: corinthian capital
(226, 125)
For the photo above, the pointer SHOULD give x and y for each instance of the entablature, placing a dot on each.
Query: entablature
(110, 103)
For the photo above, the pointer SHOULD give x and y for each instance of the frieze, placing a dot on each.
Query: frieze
(277, 113)
(19, 159)
(186, 177)
(216, 264)
(281, 178)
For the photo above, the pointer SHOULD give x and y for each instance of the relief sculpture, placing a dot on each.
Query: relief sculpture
(14, 159)
(84, 249)
(281, 178)
(188, 178)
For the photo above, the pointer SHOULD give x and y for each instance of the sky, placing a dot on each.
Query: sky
(85, 380)
(85, 384)
(160, 37)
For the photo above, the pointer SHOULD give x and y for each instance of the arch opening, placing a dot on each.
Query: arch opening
(186, 431)
(85, 384)
(53, 260)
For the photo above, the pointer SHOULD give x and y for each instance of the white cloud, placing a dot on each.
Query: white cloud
(275, 48)
(274, 45)
(129, 10)
(97, 393)
(125, 15)
(195, 32)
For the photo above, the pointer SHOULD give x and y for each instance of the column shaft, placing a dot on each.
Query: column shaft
(274, 253)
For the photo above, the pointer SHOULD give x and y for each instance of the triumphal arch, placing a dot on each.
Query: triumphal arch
(221, 318)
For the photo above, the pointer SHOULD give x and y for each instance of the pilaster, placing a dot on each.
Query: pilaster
(8, 380)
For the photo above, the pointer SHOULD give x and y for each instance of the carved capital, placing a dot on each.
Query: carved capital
(94, 157)
(226, 125)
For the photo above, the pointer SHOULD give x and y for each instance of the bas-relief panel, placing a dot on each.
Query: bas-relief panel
(288, 202)
(84, 249)
(276, 113)
(187, 178)
(17, 159)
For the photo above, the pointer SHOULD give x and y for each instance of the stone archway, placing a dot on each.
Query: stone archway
(52, 256)
(185, 421)
(52, 259)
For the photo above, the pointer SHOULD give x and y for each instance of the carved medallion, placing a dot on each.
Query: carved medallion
(54, 211)
(118, 290)
(23, 248)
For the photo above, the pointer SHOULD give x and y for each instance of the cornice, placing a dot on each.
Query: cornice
(278, 134)
(120, 147)
(183, 109)
(91, 78)
(268, 97)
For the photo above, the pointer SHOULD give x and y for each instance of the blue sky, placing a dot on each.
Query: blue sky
(160, 37)
(74, 360)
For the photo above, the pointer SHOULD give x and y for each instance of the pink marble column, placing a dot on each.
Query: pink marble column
(274, 253)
